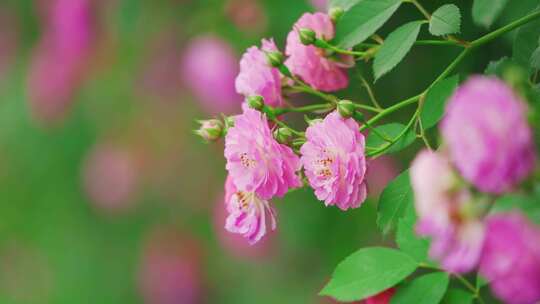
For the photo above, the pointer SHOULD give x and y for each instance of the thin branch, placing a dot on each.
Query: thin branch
(369, 90)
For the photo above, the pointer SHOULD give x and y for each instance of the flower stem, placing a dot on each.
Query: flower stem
(368, 108)
(309, 90)
(369, 90)
(397, 138)
(324, 44)
(505, 29)
(304, 109)
(439, 42)
(392, 109)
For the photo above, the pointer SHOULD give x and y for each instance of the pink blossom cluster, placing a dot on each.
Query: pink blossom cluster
(489, 144)
(488, 148)
(261, 168)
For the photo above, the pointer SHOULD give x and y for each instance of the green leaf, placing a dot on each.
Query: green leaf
(445, 20)
(344, 4)
(427, 289)
(394, 200)
(390, 131)
(457, 296)
(363, 20)
(395, 47)
(526, 42)
(485, 12)
(435, 101)
(407, 240)
(527, 204)
(368, 272)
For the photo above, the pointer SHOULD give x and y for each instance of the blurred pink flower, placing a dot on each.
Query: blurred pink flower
(247, 15)
(320, 5)
(248, 213)
(209, 68)
(110, 177)
(441, 205)
(170, 269)
(511, 258)
(58, 60)
(380, 172)
(257, 77)
(256, 161)
(310, 62)
(488, 136)
(381, 298)
(334, 161)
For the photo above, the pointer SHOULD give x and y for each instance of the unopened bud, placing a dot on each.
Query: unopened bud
(275, 59)
(307, 36)
(335, 14)
(346, 108)
(255, 102)
(210, 130)
(283, 135)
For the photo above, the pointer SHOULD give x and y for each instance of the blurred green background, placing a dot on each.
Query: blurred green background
(111, 199)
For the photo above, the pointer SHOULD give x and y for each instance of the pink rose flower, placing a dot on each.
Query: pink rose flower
(257, 77)
(334, 161)
(310, 62)
(249, 215)
(209, 68)
(511, 258)
(440, 205)
(487, 134)
(381, 298)
(234, 244)
(256, 161)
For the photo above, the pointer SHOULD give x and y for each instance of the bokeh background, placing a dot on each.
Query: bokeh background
(105, 194)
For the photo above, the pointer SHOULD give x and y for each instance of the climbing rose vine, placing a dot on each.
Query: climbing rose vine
(468, 206)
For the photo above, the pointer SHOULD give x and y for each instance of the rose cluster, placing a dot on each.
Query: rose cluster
(488, 151)
(262, 162)
(488, 146)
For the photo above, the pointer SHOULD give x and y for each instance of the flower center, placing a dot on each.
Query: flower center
(323, 165)
(243, 199)
(246, 161)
